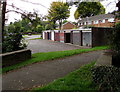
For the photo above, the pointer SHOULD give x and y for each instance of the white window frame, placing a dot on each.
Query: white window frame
(85, 23)
(111, 20)
(89, 22)
(102, 21)
(96, 22)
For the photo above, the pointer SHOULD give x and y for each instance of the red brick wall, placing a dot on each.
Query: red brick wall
(46, 35)
(68, 26)
(61, 36)
(106, 24)
(57, 37)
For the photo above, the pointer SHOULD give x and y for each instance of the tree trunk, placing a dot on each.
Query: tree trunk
(54, 26)
(3, 18)
(60, 24)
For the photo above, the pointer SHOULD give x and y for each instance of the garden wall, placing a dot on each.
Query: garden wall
(15, 57)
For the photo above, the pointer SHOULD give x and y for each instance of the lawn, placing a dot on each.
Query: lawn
(39, 57)
(79, 80)
(24, 36)
(35, 38)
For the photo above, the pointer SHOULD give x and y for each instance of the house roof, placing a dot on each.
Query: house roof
(68, 22)
(97, 17)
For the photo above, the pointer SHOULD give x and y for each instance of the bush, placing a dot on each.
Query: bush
(115, 45)
(107, 78)
(13, 39)
(115, 39)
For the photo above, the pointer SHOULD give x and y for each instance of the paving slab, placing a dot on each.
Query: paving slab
(42, 73)
(104, 60)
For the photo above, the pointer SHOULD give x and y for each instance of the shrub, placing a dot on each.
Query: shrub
(13, 39)
(107, 78)
(115, 45)
(115, 38)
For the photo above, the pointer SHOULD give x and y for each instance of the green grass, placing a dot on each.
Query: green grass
(38, 57)
(80, 79)
(24, 36)
(35, 38)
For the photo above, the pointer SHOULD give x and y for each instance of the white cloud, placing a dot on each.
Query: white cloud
(42, 10)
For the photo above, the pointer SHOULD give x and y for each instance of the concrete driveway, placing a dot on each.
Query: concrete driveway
(41, 45)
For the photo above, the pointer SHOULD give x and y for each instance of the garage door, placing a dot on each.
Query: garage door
(86, 38)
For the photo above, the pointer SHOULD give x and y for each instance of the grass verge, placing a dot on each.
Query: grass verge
(35, 38)
(24, 36)
(79, 80)
(38, 57)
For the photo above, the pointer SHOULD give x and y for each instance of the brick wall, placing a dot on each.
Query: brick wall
(61, 36)
(15, 57)
(106, 24)
(57, 37)
(68, 26)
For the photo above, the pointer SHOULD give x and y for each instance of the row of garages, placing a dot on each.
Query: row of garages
(82, 37)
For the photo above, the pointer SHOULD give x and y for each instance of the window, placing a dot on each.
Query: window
(102, 21)
(96, 22)
(111, 20)
(89, 22)
(85, 23)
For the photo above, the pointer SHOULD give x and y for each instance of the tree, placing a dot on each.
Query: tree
(87, 9)
(58, 12)
(13, 39)
(65, 21)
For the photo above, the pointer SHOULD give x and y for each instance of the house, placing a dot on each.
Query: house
(102, 20)
(68, 25)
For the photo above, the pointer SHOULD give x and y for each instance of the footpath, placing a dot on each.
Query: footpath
(42, 73)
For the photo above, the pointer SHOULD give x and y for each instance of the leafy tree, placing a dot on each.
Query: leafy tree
(87, 9)
(13, 39)
(115, 39)
(58, 12)
(65, 21)
(39, 28)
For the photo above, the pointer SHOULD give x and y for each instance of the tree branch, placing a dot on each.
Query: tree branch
(23, 14)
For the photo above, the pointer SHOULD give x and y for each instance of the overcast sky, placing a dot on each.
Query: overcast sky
(45, 4)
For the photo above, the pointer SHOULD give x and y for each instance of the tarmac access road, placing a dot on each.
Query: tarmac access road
(42, 73)
(40, 45)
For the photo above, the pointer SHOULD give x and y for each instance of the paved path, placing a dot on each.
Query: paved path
(41, 45)
(44, 72)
